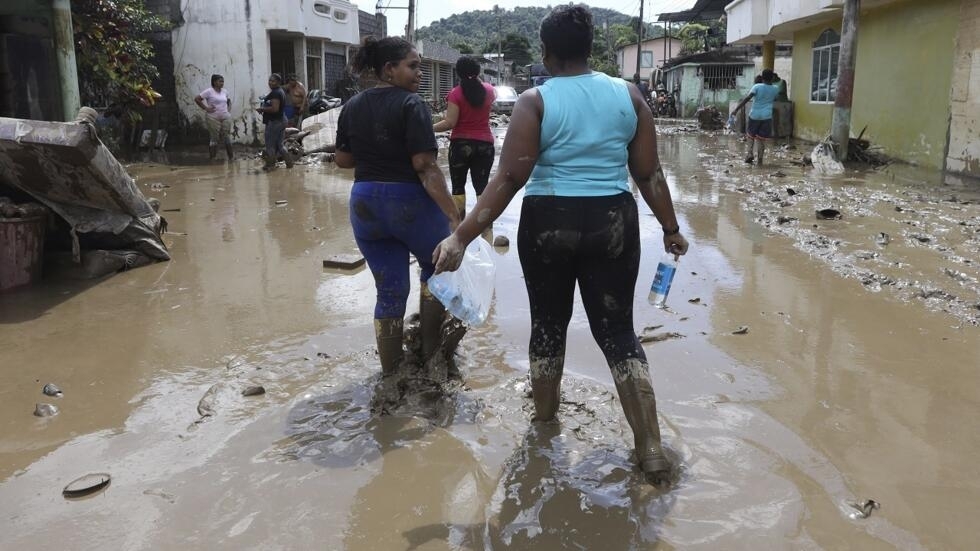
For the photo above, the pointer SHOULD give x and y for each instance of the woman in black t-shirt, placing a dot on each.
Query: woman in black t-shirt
(400, 203)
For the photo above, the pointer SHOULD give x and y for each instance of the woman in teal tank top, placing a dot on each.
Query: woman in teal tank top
(571, 141)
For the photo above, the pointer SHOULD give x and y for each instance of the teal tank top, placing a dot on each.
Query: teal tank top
(589, 121)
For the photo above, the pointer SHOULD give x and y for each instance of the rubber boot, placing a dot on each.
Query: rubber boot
(431, 313)
(545, 375)
(762, 152)
(749, 146)
(460, 201)
(212, 151)
(388, 333)
(230, 151)
(635, 390)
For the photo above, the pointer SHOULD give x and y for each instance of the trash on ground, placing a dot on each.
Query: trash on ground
(741, 330)
(87, 485)
(863, 509)
(829, 214)
(45, 410)
(824, 159)
(281, 202)
(344, 261)
(255, 390)
(52, 389)
(659, 337)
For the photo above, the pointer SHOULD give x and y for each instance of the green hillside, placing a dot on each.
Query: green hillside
(478, 31)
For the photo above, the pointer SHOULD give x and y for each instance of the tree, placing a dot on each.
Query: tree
(115, 62)
(702, 38)
(517, 48)
(463, 48)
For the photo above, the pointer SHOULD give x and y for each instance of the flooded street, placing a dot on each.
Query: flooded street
(856, 380)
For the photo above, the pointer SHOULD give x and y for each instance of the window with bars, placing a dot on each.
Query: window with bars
(425, 87)
(720, 77)
(826, 55)
(314, 64)
(445, 81)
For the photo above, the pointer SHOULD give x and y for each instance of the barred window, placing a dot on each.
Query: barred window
(426, 86)
(826, 55)
(445, 81)
(720, 77)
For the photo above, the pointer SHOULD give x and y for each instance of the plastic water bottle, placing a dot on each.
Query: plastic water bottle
(443, 287)
(661, 282)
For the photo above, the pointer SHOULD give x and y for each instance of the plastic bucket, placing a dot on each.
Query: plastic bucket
(21, 250)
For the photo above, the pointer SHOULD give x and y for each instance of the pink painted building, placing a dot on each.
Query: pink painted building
(655, 52)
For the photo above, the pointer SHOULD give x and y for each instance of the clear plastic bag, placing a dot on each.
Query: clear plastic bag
(468, 292)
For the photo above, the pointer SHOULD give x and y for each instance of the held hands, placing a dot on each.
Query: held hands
(448, 254)
(675, 243)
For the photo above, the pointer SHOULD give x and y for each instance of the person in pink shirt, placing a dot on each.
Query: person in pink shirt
(471, 142)
(217, 104)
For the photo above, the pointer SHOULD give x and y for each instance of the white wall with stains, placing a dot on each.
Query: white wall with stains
(964, 129)
(232, 38)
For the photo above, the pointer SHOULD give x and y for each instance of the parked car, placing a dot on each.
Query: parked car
(506, 98)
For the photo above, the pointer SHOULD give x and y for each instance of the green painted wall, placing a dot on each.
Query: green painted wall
(692, 97)
(902, 81)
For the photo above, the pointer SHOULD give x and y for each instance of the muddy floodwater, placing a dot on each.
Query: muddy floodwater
(857, 380)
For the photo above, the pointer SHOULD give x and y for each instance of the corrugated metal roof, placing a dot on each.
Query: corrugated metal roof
(703, 10)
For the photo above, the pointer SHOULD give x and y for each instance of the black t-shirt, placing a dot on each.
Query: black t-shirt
(383, 128)
(274, 115)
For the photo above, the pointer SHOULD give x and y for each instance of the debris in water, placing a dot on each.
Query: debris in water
(882, 238)
(778, 174)
(87, 485)
(281, 202)
(742, 329)
(660, 337)
(786, 219)
(344, 261)
(171, 210)
(255, 390)
(829, 214)
(205, 407)
(322, 355)
(52, 389)
(863, 509)
(501, 241)
(696, 300)
(790, 191)
(45, 410)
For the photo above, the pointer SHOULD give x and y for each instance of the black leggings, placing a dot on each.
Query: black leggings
(594, 241)
(474, 156)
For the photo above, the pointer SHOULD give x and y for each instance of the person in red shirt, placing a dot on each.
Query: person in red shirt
(471, 142)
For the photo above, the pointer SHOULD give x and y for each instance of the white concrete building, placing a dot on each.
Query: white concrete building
(247, 40)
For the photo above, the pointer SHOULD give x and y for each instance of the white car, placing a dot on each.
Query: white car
(506, 98)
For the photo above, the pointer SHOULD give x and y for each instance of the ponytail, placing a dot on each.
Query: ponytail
(468, 70)
(374, 54)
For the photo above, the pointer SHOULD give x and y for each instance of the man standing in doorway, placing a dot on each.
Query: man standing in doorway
(273, 116)
(295, 101)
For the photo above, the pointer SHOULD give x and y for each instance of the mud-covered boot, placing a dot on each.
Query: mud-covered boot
(635, 390)
(388, 333)
(762, 152)
(545, 375)
(212, 151)
(230, 151)
(460, 202)
(431, 313)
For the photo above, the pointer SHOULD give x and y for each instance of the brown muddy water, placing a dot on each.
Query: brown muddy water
(856, 380)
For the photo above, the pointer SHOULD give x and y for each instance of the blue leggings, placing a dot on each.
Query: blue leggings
(391, 220)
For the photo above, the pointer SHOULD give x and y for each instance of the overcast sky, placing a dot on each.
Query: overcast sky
(432, 10)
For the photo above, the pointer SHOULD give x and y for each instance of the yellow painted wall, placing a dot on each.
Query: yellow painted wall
(902, 79)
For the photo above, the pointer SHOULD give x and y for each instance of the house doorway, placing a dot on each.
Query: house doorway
(282, 55)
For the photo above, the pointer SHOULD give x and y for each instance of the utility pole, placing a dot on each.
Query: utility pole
(840, 129)
(639, 39)
(410, 26)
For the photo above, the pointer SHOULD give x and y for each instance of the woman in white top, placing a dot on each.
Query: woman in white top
(217, 104)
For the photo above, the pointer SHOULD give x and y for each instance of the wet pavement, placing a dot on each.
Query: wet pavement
(856, 380)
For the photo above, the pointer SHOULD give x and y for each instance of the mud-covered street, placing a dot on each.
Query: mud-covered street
(855, 381)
